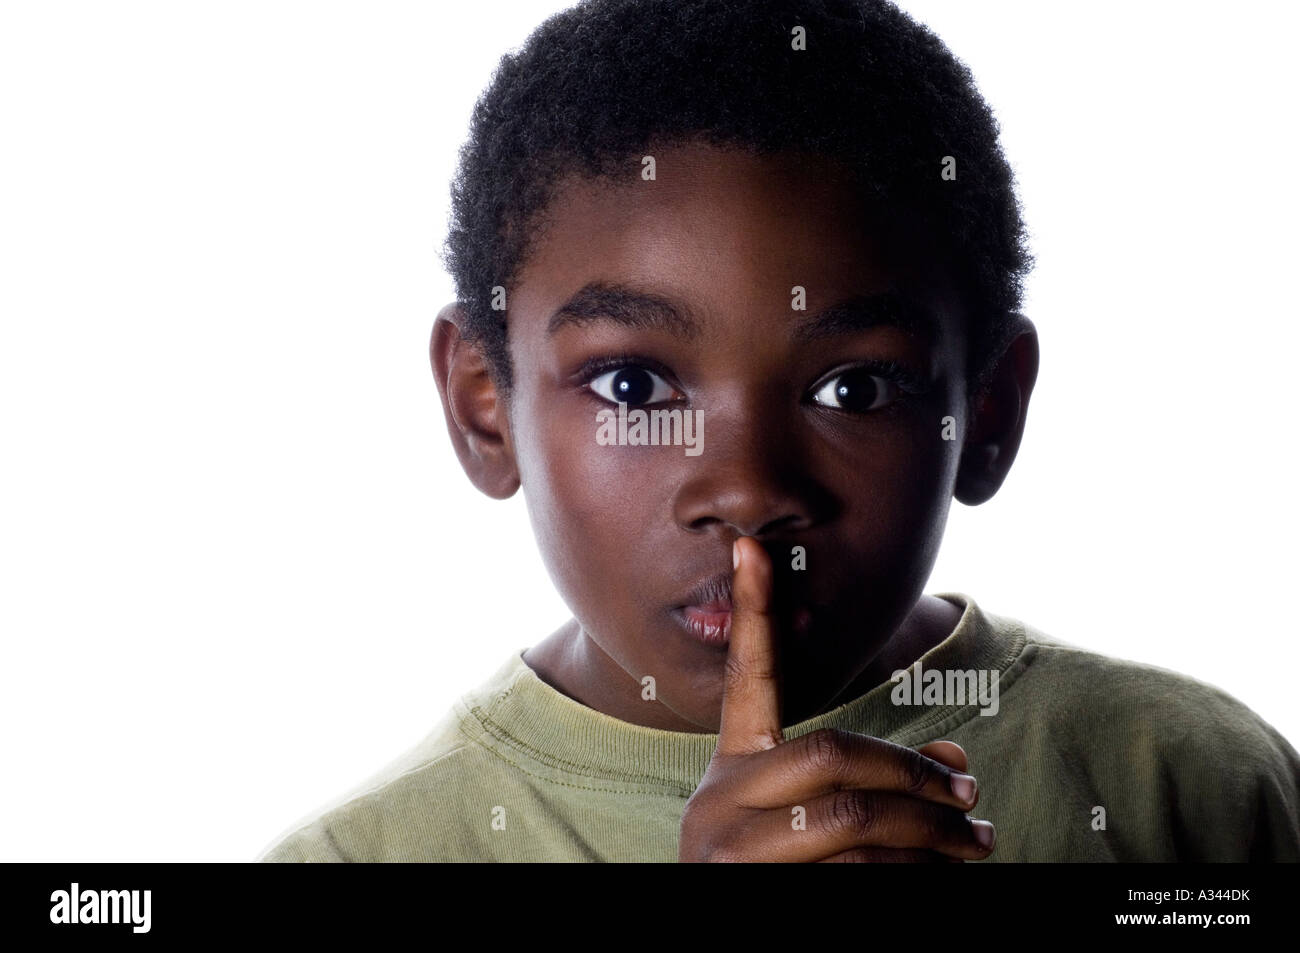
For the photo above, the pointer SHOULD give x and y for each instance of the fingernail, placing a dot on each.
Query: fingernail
(963, 787)
(983, 833)
(735, 554)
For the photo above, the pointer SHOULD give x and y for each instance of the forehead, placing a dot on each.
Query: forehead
(728, 231)
(773, 207)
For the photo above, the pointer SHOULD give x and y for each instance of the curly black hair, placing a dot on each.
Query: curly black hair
(595, 85)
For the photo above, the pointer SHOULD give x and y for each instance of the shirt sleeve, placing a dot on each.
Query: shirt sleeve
(1237, 794)
(308, 845)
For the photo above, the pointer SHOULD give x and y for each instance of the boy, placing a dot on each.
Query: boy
(737, 307)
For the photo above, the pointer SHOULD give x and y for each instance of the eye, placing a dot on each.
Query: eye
(632, 385)
(857, 391)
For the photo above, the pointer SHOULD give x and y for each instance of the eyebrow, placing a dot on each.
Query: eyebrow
(624, 306)
(642, 310)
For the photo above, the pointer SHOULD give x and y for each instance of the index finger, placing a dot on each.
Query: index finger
(751, 694)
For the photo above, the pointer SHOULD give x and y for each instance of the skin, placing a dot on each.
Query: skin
(862, 799)
(627, 531)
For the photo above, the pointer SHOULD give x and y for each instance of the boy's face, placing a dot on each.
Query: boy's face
(821, 430)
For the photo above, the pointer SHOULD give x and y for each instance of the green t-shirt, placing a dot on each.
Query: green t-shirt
(1079, 757)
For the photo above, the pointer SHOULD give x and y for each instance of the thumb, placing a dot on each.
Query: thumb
(946, 752)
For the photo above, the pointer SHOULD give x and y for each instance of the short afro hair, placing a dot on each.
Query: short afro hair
(595, 85)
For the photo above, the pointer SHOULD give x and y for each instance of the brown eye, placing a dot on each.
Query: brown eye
(856, 391)
(632, 385)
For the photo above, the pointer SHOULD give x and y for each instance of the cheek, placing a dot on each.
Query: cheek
(900, 497)
(595, 511)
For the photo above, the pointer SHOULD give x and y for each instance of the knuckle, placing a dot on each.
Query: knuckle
(713, 828)
(694, 809)
(699, 811)
(825, 752)
(936, 825)
(734, 673)
(737, 671)
(851, 811)
(915, 773)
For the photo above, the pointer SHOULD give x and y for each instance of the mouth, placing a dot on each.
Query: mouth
(706, 611)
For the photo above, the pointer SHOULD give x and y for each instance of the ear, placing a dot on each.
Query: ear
(998, 419)
(477, 415)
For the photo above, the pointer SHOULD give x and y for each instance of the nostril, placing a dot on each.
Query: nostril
(751, 500)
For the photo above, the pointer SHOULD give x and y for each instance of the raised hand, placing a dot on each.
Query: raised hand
(829, 795)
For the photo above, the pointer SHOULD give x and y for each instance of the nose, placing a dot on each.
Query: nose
(752, 479)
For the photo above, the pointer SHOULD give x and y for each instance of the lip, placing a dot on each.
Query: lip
(713, 594)
(713, 628)
(705, 612)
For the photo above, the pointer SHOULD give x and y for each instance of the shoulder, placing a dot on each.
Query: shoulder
(413, 807)
(1179, 713)
(1155, 738)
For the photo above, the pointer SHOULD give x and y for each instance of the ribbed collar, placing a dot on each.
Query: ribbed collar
(522, 717)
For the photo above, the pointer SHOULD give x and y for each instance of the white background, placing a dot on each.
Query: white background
(240, 568)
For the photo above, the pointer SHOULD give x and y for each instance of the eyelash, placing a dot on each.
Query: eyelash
(909, 382)
(596, 366)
